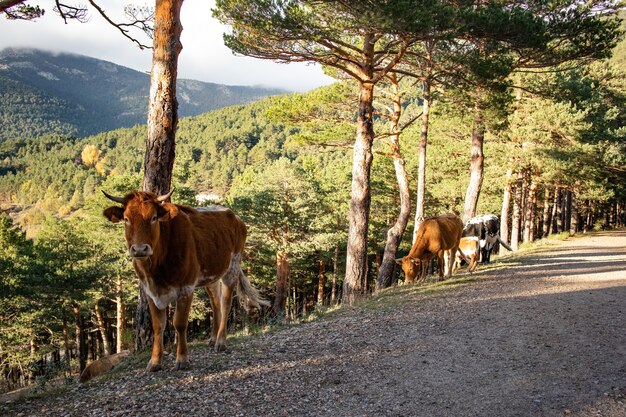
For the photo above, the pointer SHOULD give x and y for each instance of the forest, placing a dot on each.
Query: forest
(554, 160)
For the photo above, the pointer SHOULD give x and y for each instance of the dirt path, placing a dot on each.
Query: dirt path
(538, 335)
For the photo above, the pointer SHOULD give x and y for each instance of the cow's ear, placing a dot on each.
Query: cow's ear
(114, 213)
(167, 211)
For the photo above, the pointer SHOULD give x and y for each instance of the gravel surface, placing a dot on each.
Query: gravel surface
(543, 334)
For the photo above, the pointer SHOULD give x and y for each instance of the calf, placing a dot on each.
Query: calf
(469, 250)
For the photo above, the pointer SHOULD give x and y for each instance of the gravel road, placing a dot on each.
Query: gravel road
(543, 334)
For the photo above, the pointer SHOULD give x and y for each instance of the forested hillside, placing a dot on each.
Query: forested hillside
(45, 93)
(555, 162)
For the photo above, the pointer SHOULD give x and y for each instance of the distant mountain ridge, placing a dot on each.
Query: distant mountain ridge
(43, 92)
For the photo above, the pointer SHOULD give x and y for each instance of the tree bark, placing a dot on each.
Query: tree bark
(119, 316)
(504, 213)
(421, 170)
(162, 123)
(162, 105)
(517, 203)
(333, 290)
(573, 215)
(529, 219)
(394, 234)
(106, 350)
(320, 283)
(476, 165)
(555, 209)
(358, 218)
(547, 219)
(282, 278)
(81, 345)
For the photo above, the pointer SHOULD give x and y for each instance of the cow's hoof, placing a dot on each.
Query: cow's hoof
(211, 342)
(153, 367)
(220, 347)
(182, 365)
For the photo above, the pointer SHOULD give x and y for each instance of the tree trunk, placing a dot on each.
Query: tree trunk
(162, 121)
(573, 215)
(320, 283)
(282, 277)
(103, 330)
(476, 165)
(547, 220)
(504, 213)
(81, 345)
(529, 218)
(559, 211)
(119, 316)
(555, 209)
(358, 218)
(567, 211)
(333, 290)
(143, 323)
(394, 234)
(66, 344)
(421, 171)
(517, 203)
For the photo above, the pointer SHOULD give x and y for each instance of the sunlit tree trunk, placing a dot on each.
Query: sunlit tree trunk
(358, 218)
(476, 165)
(333, 290)
(421, 170)
(555, 210)
(504, 213)
(394, 234)
(162, 122)
(517, 208)
(106, 350)
(547, 218)
(320, 283)
(573, 215)
(119, 316)
(282, 278)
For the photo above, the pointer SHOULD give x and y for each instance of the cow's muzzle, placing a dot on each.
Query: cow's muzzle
(140, 250)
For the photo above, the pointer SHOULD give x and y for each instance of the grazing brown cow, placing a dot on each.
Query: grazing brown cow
(176, 249)
(436, 236)
(469, 249)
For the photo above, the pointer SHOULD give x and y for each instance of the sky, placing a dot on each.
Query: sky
(204, 56)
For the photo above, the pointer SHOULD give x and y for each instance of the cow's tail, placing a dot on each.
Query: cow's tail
(507, 247)
(248, 295)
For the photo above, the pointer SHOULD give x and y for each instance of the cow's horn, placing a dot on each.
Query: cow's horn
(165, 197)
(399, 261)
(112, 197)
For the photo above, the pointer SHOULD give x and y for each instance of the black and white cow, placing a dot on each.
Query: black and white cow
(487, 229)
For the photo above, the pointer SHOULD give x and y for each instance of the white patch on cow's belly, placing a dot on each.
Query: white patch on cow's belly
(162, 301)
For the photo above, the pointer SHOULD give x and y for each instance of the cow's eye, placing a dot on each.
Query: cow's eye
(126, 220)
(154, 219)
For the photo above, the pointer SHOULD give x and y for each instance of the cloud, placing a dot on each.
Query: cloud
(204, 56)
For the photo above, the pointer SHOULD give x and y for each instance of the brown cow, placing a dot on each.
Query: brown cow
(469, 250)
(436, 236)
(176, 249)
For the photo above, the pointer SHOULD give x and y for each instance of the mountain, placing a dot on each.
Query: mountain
(45, 93)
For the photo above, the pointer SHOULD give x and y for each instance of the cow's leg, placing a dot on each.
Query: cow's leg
(440, 264)
(158, 324)
(451, 254)
(227, 301)
(181, 319)
(215, 295)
